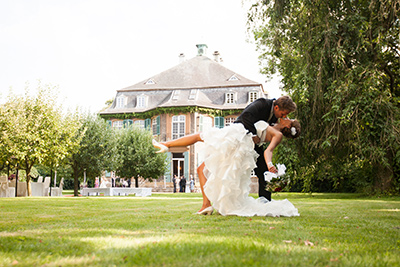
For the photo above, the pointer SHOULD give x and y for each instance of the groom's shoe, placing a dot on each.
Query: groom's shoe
(206, 211)
(162, 148)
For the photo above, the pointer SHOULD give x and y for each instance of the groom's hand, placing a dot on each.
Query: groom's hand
(256, 139)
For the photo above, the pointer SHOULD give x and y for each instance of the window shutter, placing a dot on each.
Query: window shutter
(186, 164)
(219, 122)
(147, 124)
(127, 123)
(109, 123)
(201, 123)
(158, 125)
(167, 173)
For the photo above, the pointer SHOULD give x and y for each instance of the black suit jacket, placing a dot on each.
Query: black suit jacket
(260, 109)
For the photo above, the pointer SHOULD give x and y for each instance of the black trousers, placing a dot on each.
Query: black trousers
(261, 168)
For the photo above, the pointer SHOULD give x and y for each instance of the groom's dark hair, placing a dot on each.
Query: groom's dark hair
(285, 103)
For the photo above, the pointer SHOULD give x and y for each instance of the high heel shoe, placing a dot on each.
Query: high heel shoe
(162, 148)
(206, 211)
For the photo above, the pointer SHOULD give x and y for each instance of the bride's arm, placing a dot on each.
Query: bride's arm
(275, 138)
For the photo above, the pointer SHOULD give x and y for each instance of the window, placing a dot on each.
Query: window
(233, 78)
(229, 121)
(150, 81)
(139, 124)
(141, 101)
(205, 123)
(121, 102)
(230, 98)
(253, 96)
(178, 126)
(156, 125)
(175, 95)
(118, 124)
(192, 95)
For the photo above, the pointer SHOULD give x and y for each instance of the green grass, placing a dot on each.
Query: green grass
(162, 230)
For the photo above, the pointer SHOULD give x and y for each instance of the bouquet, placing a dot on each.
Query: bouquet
(276, 181)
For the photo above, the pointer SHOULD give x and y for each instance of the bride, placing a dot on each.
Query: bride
(229, 158)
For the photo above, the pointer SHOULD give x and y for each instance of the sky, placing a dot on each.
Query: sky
(89, 49)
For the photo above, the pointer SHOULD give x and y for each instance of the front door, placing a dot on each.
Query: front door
(178, 164)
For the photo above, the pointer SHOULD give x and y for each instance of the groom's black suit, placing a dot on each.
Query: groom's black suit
(261, 109)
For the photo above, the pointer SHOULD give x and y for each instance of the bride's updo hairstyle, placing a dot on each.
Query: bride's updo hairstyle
(294, 130)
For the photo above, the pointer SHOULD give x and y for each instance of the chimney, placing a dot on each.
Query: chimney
(181, 57)
(217, 56)
(201, 49)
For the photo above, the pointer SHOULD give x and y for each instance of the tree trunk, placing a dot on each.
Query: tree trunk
(76, 183)
(136, 182)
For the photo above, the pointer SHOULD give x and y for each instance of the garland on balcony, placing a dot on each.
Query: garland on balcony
(171, 110)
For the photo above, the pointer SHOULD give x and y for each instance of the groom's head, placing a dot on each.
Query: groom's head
(283, 106)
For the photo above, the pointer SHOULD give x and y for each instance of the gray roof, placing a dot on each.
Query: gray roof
(199, 81)
(198, 72)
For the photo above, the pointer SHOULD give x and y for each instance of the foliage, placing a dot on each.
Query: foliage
(137, 155)
(172, 110)
(97, 149)
(34, 130)
(340, 62)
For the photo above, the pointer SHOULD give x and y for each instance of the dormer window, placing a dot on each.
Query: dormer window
(230, 98)
(121, 102)
(233, 78)
(193, 94)
(150, 81)
(141, 101)
(175, 94)
(253, 96)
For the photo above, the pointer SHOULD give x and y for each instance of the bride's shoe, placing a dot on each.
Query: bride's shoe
(206, 211)
(162, 148)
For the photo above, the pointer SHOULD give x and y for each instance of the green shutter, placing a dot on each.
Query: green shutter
(201, 123)
(147, 124)
(219, 122)
(109, 123)
(167, 173)
(158, 125)
(186, 165)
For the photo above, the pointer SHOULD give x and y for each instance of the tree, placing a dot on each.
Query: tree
(340, 62)
(33, 127)
(97, 149)
(137, 157)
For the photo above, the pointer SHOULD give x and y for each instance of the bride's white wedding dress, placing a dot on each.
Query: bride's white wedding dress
(229, 158)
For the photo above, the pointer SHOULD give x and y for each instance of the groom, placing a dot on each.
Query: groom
(269, 110)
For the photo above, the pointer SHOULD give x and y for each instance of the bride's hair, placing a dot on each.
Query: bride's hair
(294, 130)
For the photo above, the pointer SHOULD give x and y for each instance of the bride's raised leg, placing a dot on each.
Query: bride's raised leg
(206, 208)
(186, 140)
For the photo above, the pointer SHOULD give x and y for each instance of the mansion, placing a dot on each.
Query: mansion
(191, 97)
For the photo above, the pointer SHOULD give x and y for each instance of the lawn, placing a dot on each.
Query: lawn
(162, 230)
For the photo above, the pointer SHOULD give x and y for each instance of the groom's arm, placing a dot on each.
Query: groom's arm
(253, 113)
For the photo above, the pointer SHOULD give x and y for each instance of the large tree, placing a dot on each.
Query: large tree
(34, 126)
(137, 155)
(97, 149)
(340, 61)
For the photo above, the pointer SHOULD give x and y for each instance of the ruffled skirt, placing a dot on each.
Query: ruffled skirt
(229, 158)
